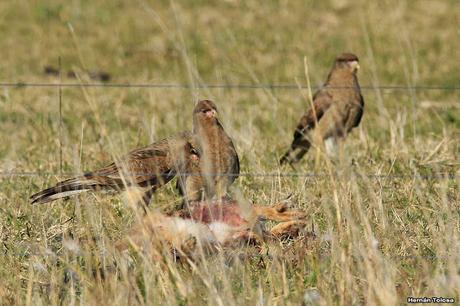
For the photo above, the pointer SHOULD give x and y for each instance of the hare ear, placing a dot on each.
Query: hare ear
(281, 207)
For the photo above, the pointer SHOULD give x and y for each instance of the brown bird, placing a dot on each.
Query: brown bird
(337, 108)
(218, 165)
(149, 168)
(155, 165)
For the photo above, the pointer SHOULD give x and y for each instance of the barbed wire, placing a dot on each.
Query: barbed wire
(225, 86)
(249, 174)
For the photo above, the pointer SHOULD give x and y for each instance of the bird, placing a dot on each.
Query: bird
(216, 165)
(219, 161)
(149, 167)
(336, 109)
(155, 165)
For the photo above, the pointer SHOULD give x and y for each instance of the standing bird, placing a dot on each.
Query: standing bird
(155, 165)
(337, 108)
(218, 160)
(149, 168)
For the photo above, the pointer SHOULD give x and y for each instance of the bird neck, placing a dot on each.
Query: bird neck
(206, 127)
(206, 124)
(342, 78)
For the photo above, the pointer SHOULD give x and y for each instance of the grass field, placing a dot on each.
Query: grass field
(386, 216)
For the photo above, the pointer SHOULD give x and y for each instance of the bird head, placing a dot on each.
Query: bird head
(205, 111)
(347, 61)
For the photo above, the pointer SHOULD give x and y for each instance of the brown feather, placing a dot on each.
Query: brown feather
(151, 167)
(219, 162)
(206, 150)
(337, 109)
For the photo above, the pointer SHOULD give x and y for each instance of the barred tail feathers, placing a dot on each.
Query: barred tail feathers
(64, 189)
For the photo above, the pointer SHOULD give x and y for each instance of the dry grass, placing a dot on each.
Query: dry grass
(380, 239)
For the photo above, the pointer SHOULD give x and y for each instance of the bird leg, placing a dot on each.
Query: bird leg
(140, 197)
(148, 196)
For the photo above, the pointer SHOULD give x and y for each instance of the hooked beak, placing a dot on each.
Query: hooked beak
(211, 113)
(354, 65)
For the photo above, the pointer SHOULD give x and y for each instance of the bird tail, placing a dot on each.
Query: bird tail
(293, 155)
(66, 188)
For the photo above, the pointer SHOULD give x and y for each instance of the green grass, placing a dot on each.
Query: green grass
(380, 239)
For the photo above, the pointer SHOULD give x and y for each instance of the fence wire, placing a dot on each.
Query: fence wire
(227, 86)
(416, 176)
(6, 252)
(237, 86)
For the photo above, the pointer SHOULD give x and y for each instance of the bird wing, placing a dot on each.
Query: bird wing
(322, 101)
(190, 182)
(151, 166)
(357, 114)
(236, 167)
(228, 164)
(340, 118)
(231, 159)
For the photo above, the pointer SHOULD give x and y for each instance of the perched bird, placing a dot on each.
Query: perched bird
(218, 160)
(149, 168)
(337, 109)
